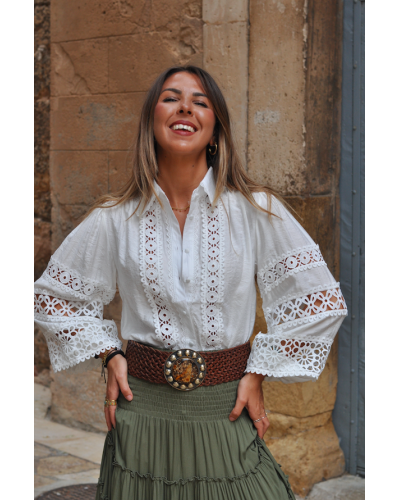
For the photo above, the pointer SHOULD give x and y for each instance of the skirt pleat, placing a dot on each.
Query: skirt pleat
(172, 445)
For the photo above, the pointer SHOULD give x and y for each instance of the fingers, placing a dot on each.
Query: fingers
(124, 388)
(237, 410)
(262, 427)
(111, 412)
(108, 420)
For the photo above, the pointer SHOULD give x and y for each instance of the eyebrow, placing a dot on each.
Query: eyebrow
(177, 91)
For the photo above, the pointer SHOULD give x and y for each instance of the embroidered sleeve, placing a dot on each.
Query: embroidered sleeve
(69, 297)
(302, 303)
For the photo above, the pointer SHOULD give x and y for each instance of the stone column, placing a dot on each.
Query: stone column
(225, 34)
(293, 146)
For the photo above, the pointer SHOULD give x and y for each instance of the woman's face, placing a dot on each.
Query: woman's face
(183, 117)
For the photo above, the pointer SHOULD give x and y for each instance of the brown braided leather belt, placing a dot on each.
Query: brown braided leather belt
(186, 369)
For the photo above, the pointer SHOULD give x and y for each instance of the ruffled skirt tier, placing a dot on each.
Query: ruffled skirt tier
(172, 445)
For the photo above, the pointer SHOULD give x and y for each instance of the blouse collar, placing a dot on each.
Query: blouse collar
(207, 185)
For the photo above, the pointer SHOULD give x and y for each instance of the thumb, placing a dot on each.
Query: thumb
(125, 389)
(237, 410)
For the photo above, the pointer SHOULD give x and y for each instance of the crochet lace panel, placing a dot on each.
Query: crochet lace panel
(152, 276)
(319, 303)
(281, 354)
(75, 340)
(288, 264)
(275, 356)
(70, 282)
(50, 308)
(212, 282)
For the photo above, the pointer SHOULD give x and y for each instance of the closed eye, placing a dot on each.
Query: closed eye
(200, 103)
(170, 99)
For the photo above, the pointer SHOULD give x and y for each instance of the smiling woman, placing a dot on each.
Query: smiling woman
(184, 242)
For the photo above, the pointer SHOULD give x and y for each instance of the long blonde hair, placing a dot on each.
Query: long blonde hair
(228, 169)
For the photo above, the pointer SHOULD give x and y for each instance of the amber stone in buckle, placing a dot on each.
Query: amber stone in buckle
(185, 370)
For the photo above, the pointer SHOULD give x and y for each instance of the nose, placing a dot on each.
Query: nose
(185, 108)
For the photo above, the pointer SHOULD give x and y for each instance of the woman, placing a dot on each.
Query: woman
(184, 241)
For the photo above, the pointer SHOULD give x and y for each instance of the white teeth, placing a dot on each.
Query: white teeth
(180, 126)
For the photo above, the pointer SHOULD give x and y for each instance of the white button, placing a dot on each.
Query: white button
(190, 216)
(186, 250)
(184, 312)
(188, 280)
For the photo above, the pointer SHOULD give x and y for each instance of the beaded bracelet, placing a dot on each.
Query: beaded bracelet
(111, 355)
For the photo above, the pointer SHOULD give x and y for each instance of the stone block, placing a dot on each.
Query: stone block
(226, 58)
(320, 217)
(101, 122)
(64, 219)
(63, 464)
(119, 169)
(309, 456)
(136, 61)
(285, 425)
(77, 400)
(323, 96)
(225, 11)
(169, 16)
(42, 246)
(276, 130)
(78, 177)
(42, 205)
(346, 487)
(79, 20)
(304, 399)
(41, 353)
(79, 67)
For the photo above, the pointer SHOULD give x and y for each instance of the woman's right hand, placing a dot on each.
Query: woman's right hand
(117, 381)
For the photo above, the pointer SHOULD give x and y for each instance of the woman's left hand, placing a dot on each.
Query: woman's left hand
(250, 395)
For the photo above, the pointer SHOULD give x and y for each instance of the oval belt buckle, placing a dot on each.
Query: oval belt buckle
(185, 370)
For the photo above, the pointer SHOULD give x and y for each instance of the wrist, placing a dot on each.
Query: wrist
(256, 376)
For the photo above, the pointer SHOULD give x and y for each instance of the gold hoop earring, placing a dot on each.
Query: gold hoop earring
(215, 151)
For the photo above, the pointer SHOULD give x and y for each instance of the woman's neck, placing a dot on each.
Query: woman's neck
(178, 177)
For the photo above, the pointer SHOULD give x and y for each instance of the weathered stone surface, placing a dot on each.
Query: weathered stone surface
(42, 50)
(42, 400)
(77, 401)
(119, 169)
(346, 487)
(65, 218)
(284, 425)
(79, 67)
(79, 20)
(225, 11)
(67, 464)
(42, 206)
(42, 246)
(276, 95)
(226, 58)
(321, 219)
(309, 456)
(78, 177)
(100, 122)
(41, 353)
(323, 96)
(136, 60)
(304, 399)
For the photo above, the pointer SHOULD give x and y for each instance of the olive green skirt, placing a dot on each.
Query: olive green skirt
(172, 445)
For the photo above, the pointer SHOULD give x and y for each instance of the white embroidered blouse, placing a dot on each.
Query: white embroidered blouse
(197, 290)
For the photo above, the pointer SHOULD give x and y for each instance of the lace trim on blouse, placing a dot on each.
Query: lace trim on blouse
(212, 283)
(288, 264)
(152, 276)
(70, 282)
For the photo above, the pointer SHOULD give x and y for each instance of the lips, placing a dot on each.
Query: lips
(183, 127)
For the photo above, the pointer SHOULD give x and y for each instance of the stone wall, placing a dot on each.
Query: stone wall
(278, 63)
(42, 208)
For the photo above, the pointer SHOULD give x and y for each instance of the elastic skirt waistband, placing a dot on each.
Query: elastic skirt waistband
(161, 400)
